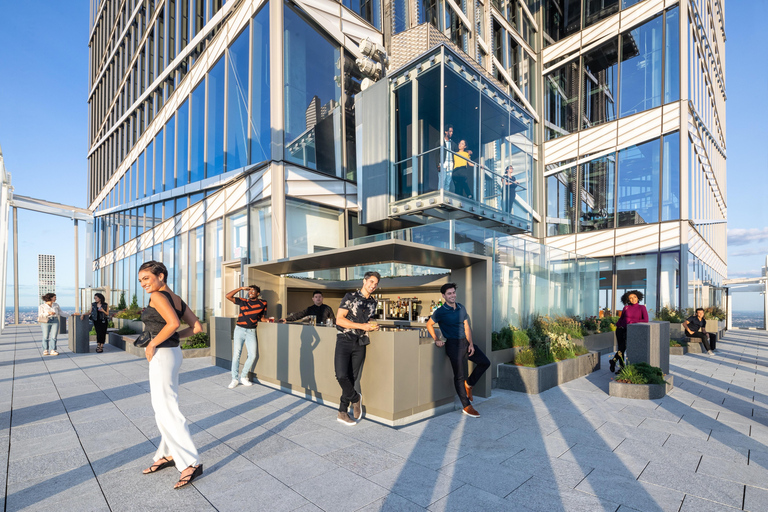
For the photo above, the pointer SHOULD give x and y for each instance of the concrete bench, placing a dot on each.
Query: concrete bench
(695, 346)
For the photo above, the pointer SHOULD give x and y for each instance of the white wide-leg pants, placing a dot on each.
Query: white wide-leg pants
(175, 439)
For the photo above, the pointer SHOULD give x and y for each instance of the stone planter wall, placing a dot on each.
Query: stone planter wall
(125, 342)
(641, 391)
(603, 342)
(678, 351)
(676, 331)
(502, 356)
(135, 325)
(537, 380)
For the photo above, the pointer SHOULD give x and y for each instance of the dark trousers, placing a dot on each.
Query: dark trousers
(456, 350)
(348, 362)
(707, 338)
(460, 180)
(101, 332)
(621, 341)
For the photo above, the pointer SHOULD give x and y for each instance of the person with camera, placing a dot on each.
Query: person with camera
(48, 314)
(99, 315)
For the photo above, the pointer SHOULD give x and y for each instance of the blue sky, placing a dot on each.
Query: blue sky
(43, 133)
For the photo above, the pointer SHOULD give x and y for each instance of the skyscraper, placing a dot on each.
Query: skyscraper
(46, 275)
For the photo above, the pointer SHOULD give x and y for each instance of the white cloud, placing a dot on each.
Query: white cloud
(742, 236)
(743, 273)
(749, 251)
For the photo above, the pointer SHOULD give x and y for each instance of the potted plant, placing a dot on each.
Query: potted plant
(640, 381)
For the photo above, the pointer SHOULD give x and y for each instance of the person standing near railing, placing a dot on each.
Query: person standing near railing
(509, 184)
(462, 176)
(48, 314)
(449, 147)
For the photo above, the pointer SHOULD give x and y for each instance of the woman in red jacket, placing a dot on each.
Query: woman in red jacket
(632, 313)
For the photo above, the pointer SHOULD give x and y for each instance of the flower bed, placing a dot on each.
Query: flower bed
(640, 381)
(538, 379)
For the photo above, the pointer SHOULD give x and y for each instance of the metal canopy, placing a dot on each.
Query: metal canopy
(51, 208)
(385, 251)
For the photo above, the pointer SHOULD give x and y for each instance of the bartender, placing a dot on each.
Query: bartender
(321, 312)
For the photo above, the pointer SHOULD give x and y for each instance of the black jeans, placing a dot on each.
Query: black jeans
(707, 338)
(456, 350)
(460, 178)
(101, 332)
(621, 341)
(348, 363)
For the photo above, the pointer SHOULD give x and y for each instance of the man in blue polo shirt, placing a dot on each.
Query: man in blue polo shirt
(453, 320)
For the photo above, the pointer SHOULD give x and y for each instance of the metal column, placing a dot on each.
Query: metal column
(15, 266)
(77, 277)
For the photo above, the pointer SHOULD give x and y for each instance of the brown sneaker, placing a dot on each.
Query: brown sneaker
(357, 409)
(471, 412)
(344, 418)
(469, 391)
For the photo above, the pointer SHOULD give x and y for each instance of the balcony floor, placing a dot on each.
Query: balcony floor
(78, 429)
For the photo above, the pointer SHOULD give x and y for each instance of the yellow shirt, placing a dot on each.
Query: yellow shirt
(458, 161)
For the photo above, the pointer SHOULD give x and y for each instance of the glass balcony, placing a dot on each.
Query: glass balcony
(459, 147)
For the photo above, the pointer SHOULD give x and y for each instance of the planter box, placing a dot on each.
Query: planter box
(135, 325)
(504, 355)
(188, 353)
(678, 351)
(539, 379)
(125, 342)
(695, 346)
(641, 391)
(603, 342)
(676, 331)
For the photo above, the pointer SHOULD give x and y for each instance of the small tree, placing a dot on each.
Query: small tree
(121, 304)
(134, 302)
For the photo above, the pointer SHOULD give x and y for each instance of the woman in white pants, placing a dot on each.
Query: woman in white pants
(161, 318)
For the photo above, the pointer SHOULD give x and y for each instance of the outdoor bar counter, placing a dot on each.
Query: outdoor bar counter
(405, 377)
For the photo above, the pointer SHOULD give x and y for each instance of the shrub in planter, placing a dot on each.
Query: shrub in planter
(714, 313)
(130, 314)
(520, 339)
(126, 330)
(640, 373)
(509, 337)
(671, 315)
(199, 340)
(592, 324)
(121, 303)
(674, 343)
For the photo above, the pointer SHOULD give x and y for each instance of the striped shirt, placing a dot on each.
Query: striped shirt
(251, 312)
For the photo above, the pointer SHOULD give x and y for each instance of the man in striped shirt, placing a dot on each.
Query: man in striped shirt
(251, 311)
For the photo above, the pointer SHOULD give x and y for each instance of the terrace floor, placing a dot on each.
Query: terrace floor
(77, 429)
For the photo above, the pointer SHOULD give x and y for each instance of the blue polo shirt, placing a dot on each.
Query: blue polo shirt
(451, 321)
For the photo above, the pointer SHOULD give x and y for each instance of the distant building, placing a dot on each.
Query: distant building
(46, 274)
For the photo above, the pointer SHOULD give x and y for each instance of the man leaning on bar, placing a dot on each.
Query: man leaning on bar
(453, 320)
(321, 312)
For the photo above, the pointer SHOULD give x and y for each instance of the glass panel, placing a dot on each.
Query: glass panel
(181, 203)
(132, 182)
(237, 102)
(197, 137)
(197, 270)
(312, 92)
(461, 107)
(561, 19)
(237, 235)
(637, 272)
(311, 228)
(182, 149)
(640, 87)
(159, 162)
(605, 285)
(429, 129)
(638, 196)
(369, 10)
(214, 252)
(429, 12)
(215, 131)
(150, 163)
(628, 3)
(196, 198)
(561, 109)
(400, 15)
(670, 174)
(596, 10)
(170, 261)
(672, 56)
(669, 280)
(261, 134)
(261, 231)
(599, 81)
(598, 177)
(170, 148)
(182, 274)
(561, 189)
(168, 209)
(140, 177)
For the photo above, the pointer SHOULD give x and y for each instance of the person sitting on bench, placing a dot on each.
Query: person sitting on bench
(695, 328)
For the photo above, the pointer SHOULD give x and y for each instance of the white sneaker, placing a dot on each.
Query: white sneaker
(54, 353)
(710, 352)
(233, 384)
(45, 352)
(245, 382)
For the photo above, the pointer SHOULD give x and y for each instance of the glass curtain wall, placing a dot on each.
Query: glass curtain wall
(260, 76)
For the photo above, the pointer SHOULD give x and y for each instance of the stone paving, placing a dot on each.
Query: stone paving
(78, 428)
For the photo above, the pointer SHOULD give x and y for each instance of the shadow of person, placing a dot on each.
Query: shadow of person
(309, 341)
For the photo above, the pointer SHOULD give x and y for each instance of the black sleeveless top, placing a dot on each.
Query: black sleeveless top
(154, 321)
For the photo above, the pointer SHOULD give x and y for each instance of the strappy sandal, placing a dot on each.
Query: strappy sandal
(158, 465)
(186, 480)
(99, 348)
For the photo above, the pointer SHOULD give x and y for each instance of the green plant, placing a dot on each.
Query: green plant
(605, 324)
(134, 302)
(525, 358)
(121, 303)
(674, 343)
(672, 315)
(92, 332)
(612, 327)
(592, 323)
(197, 339)
(509, 337)
(520, 339)
(640, 373)
(130, 314)
(714, 313)
(126, 330)
(196, 345)
(580, 350)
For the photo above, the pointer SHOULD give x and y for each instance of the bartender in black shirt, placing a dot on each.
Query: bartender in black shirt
(321, 312)
(695, 328)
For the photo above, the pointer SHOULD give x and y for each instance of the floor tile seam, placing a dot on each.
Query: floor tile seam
(708, 487)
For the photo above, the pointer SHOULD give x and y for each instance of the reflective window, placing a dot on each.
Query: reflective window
(672, 56)
(669, 280)
(197, 270)
(260, 120)
(600, 69)
(197, 134)
(312, 92)
(403, 140)
(628, 3)
(399, 15)
(169, 259)
(215, 131)
(182, 148)
(150, 163)
(214, 252)
(170, 149)
(261, 231)
(429, 12)
(237, 235)
(638, 184)
(311, 228)
(237, 102)
(597, 181)
(641, 53)
(561, 108)
(131, 183)
(159, 162)
(561, 19)
(462, 112)
(561, 190)
(670, 175)
(369, 10)
(169, 209)
(596, 10)
(140, 177)
(637, 272)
